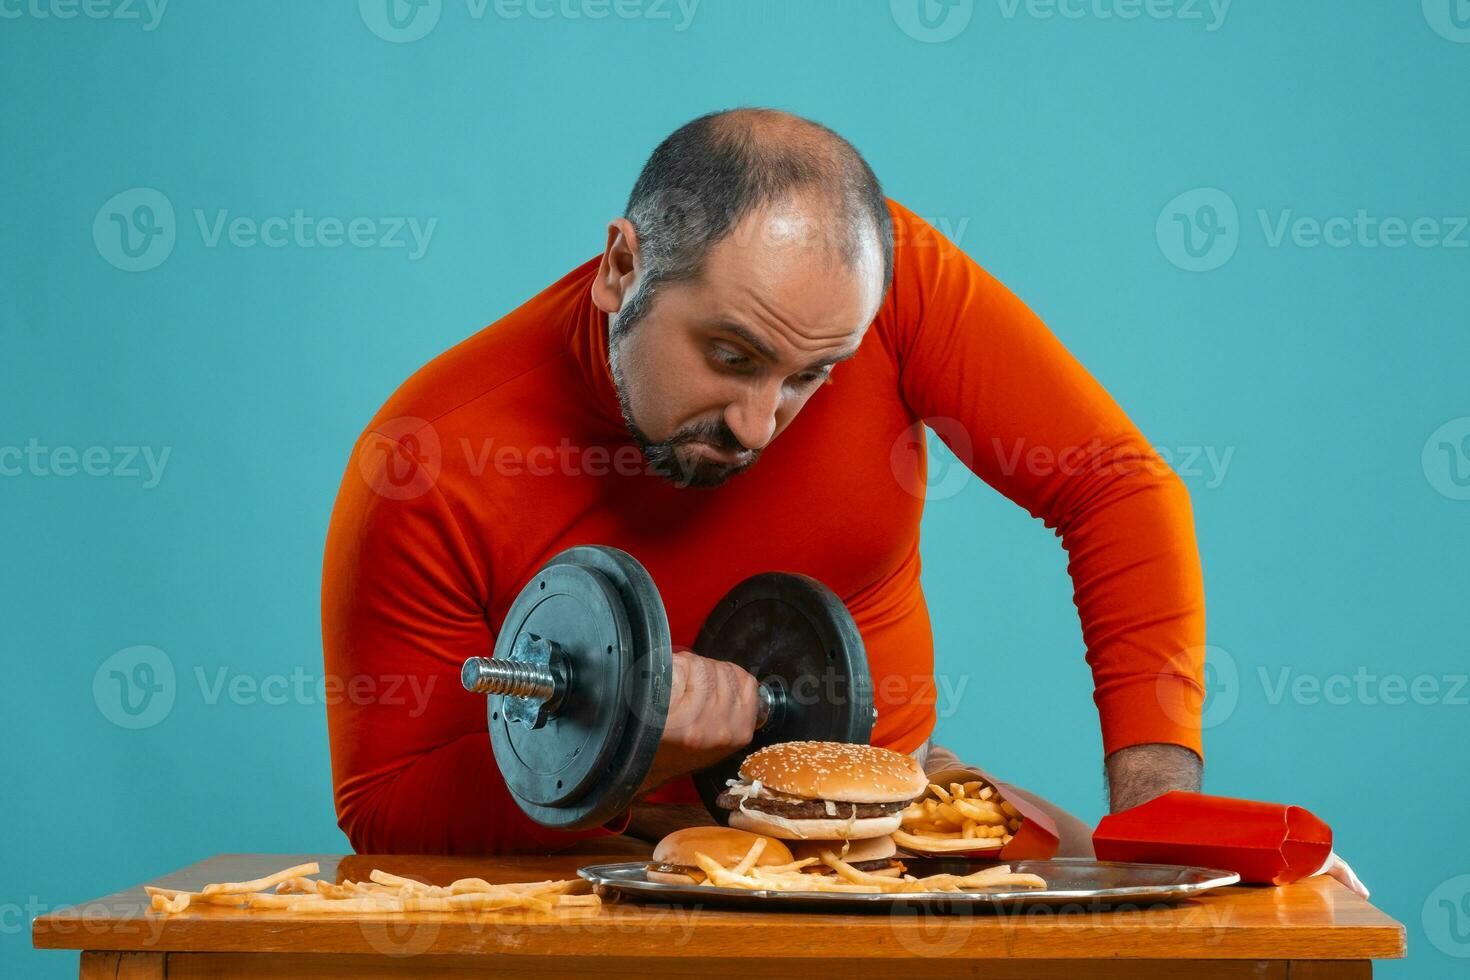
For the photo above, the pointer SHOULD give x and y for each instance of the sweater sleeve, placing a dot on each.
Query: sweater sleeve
(402, 608)
(1009, 400)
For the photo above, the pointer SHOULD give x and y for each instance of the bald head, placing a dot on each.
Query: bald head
(755, 251)
(701, 184)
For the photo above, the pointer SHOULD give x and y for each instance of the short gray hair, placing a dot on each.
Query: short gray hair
(706, 176)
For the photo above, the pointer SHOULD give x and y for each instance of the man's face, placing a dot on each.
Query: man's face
(717, 367)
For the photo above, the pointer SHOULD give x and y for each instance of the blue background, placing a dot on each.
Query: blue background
(1049, 145)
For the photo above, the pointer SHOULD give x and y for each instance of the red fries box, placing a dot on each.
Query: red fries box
(1035, 840)
(1265, 843)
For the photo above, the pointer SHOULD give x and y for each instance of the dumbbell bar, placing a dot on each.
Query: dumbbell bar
(578, 689)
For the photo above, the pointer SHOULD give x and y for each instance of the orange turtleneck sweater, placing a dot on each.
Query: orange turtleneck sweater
(510, 447)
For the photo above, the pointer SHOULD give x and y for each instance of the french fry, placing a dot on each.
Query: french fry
(384, 892)
(751, 856)
(162, 903)
(384, 878)
(979, 810)
(260, 884)
(933, 842)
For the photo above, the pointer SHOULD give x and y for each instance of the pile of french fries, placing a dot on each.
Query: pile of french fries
(382, 893)
(790, 877)
(971, 811)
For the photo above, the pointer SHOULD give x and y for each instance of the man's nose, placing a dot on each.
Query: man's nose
(752, 417)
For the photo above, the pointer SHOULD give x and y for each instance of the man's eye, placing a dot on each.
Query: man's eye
(811, 379)
(729, 358)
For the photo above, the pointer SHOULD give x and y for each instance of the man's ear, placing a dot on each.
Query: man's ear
(618, 269)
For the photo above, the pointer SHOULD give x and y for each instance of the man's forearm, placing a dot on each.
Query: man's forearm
(1139, 773)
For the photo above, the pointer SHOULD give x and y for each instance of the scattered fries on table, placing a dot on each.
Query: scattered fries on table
(971, 812)
(790, 877)
(383, 892)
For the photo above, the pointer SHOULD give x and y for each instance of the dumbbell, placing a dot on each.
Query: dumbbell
(578, 688)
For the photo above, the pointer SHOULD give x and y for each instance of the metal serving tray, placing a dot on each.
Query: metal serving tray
(1079, 883)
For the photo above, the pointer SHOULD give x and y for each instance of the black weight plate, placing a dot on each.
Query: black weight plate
(578, 608)
(791, 627)
(583, 766)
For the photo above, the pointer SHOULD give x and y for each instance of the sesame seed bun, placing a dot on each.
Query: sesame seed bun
(837, 771)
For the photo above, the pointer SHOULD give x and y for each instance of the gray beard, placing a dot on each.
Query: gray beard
(663, 457)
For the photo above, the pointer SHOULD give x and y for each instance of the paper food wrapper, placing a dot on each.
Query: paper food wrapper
(1037, 838)
(1265, 843)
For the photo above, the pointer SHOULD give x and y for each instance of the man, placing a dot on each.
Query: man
(734, 386)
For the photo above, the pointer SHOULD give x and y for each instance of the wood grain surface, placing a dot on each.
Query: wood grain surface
(1316, 919)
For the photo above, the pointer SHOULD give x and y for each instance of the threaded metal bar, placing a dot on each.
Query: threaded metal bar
(485, 675)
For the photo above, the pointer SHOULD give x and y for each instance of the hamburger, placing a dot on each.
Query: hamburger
(875, 855)
(673, 860)
(822, 791)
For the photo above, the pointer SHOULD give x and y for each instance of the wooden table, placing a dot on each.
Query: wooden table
(1314, 929)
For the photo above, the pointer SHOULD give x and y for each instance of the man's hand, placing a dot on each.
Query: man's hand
(711, 714)
(1139, 773)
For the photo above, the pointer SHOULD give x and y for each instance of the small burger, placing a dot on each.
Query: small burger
(822, 791)
(875, 855)
(674, 862)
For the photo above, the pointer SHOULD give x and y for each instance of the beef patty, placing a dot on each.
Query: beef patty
(809, 809)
